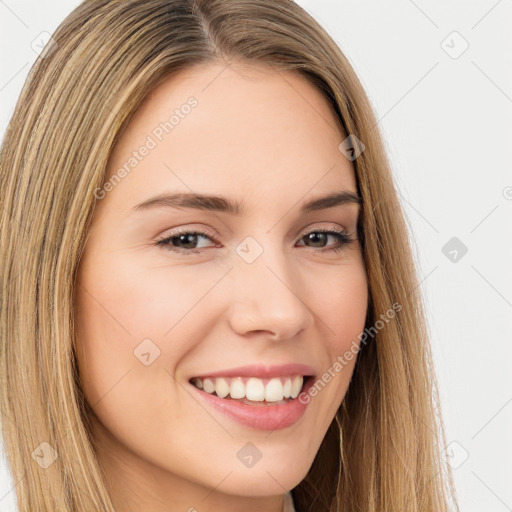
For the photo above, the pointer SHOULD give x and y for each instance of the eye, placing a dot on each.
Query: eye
(321, 235)
(185, 237)
(185, 241)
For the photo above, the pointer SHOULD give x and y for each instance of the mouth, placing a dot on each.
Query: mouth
(254, 391)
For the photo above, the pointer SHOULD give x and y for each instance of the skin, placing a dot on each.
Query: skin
(270, 140)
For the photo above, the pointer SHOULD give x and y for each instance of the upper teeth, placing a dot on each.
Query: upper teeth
(252, 388)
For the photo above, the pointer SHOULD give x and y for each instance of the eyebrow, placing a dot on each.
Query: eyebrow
(225, 205)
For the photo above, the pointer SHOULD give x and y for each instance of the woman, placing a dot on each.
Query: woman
(280, 361)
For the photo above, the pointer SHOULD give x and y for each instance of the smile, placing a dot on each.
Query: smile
(274, 390)
(267, 403)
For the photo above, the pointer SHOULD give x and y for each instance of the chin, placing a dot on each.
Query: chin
(267, 480)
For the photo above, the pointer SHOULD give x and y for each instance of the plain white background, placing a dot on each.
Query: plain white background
(439, 77)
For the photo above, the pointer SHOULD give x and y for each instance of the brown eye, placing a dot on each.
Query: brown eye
(319, 238)
(184, 241)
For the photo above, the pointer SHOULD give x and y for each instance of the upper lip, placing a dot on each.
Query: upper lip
(263, 371)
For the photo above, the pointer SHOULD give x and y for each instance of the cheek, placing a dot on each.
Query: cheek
(142, 406)
(341, 303)
(341, 308)
(120, 304)
(113, 317)
(128, 315)
(149, 301)
(125, 368)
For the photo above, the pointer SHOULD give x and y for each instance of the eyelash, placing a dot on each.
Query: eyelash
(344, 240)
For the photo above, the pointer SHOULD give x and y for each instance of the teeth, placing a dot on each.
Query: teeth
(237, 388)
(274, 390)
(257, 390)
(221, 388)
(287, 388)
(296, 387)
(208, 385)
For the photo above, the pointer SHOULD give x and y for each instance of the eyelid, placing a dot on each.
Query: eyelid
(325, 226)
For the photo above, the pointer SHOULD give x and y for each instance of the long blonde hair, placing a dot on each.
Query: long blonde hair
(383, 450)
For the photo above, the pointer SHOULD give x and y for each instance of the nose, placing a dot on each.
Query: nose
(267, 297)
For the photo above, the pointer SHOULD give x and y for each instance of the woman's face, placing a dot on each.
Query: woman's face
(261, 293)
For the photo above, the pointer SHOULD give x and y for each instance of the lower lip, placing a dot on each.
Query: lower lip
(260, 417)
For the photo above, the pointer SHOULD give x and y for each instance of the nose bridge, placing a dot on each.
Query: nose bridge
(265, 295)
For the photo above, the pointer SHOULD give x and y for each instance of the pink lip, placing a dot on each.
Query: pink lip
(265, 417)
(261, 371)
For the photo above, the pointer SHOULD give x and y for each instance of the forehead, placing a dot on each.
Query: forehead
(251, 127)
